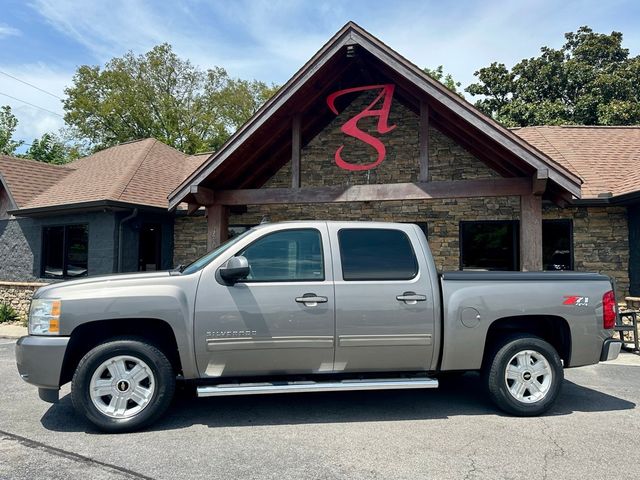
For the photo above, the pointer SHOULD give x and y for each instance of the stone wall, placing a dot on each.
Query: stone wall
(190, 239)
(600, 241)
(18, 295)
(600, 234)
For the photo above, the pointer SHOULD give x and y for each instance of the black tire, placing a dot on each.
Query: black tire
(499, 387)
(163, 378)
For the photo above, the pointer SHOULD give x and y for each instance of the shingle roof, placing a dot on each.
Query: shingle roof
(606, 158)
(26, 179)
(141, 172)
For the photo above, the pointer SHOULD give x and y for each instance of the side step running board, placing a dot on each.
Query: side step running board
(310, 386)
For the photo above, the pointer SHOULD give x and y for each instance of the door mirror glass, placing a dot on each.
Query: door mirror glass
(236, 269)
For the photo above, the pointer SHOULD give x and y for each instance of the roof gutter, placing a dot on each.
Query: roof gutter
(120, 235)
(93, 205)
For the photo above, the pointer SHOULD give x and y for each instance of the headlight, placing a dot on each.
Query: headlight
(44, 317)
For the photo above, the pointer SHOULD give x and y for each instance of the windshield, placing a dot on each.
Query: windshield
(213, 254)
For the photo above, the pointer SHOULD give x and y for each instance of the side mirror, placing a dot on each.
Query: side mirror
(236, 269)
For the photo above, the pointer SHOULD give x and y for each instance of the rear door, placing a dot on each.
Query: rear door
(384, 310)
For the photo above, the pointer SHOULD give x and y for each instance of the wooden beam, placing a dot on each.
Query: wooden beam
(530, 233)
(202, 195)
(424, 142)
(295, 151)
(193, 208)
(540, 181)
(500, 187)
(217, 225)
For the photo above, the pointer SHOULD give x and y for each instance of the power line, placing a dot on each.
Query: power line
(32, 105)
(31, 85)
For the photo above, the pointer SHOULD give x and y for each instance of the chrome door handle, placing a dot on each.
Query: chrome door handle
(311, 299)
(411, 298)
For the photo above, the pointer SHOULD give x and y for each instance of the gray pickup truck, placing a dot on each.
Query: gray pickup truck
(311, 307)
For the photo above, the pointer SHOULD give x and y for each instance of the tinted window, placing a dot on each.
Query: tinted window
(557, 245)
(65, 251)
(290, 255)
(372, 254)
(489, 245)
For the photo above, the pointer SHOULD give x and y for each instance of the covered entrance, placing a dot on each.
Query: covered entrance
(361, 133)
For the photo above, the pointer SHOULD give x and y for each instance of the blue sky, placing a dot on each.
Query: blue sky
(43, 41)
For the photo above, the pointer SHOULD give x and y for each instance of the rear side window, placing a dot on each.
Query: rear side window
(376, 254)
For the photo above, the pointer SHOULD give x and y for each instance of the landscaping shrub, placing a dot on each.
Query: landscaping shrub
(8, 313)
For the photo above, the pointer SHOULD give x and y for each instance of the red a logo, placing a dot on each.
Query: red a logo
(350, 127)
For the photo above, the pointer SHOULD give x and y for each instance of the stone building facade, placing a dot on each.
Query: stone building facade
(600, 237)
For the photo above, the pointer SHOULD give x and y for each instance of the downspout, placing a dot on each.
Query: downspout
(122, 222)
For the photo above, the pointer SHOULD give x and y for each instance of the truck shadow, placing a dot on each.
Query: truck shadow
(463, 396)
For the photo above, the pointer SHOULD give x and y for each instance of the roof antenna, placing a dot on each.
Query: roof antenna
(265, 219)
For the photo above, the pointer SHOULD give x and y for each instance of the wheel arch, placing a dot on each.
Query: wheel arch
(87, 336)
(552, 328)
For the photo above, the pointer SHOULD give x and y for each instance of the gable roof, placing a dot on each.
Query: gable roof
(25, 179)
(253, 146)
(140, 172)
(606, 158)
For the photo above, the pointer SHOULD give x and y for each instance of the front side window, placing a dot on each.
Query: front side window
(491, 245)
(286, 256)
(65, 251)
(376, 254)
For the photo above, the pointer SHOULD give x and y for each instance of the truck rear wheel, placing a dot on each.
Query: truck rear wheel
(524, 376)
(123, 385)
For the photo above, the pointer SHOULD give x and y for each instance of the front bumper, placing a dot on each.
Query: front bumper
(610, 349)
(40, 360)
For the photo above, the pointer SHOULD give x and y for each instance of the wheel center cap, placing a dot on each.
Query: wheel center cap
(526, 376)
(122, 386)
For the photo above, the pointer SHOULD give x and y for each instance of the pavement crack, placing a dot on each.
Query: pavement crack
(473, 468)
(73, 456)
(558, 451)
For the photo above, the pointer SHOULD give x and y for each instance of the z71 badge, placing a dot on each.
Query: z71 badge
(576, 301)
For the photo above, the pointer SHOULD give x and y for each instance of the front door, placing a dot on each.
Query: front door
(384, 310)
(280, 320)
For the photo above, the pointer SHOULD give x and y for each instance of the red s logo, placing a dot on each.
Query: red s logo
(351, 126)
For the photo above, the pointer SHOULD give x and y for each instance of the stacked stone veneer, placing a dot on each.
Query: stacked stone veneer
(18, 295)
(600, 234)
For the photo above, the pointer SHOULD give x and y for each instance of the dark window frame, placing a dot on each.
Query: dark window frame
(319, 279)
(515, 239)
(65, 249)
(572, 264)
(413, 252)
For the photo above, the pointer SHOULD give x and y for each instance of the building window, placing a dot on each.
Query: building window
(557, 244)
(65, 251)
(489, 245)
(286, 256)
(376, 254)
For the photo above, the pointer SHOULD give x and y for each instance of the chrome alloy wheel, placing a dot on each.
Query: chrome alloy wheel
(122, 386)
(528, 376)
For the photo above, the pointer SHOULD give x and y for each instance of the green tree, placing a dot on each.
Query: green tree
(160, 95)
(8, 125)
(445, 79)
(590, 80)
(51, 149)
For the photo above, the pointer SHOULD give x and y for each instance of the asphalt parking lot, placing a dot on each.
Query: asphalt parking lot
(454, 432)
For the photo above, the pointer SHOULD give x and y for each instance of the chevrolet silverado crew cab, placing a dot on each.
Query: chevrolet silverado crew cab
(311, 307)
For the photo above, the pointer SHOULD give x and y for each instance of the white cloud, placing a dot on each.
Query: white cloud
(7, 31)
(32, 121)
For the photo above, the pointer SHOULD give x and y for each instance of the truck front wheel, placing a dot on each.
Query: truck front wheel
(123, 385)
(524, 376)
